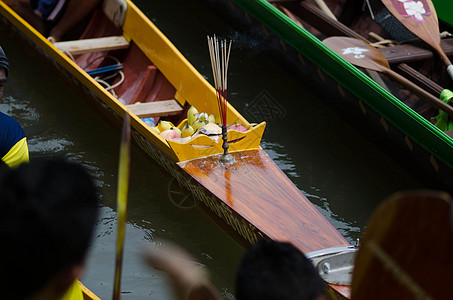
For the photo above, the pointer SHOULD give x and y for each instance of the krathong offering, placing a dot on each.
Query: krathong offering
(220, 55)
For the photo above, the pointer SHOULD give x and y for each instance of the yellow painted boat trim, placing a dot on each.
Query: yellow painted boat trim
(87, 294)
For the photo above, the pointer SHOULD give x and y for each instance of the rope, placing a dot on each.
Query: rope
(381, 44)
(103, 80)
(121, 73)
(99, 79)
(446, 96)
(68, 54)
(380, 40)
(445, 34)
(442, 120)
(102, 56)
(106, 85)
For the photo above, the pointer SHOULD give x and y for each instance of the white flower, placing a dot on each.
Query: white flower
(414, 9)
(358, 52)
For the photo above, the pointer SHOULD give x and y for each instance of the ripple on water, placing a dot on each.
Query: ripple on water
(48, 146)
(20, 109)
(283, 161)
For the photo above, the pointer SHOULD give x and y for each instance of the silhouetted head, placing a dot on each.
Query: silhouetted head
(48, 210)
(4, 64)
(272, 270)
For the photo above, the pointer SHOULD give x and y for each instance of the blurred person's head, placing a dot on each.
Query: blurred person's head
(48, 210)
(4, 68)
(272, 270)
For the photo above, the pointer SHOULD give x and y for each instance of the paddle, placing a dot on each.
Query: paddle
(123, 186)
(362, 54)
(323, 6)
(420, 18)
(289, 14)
(188, 277)
(406, 249)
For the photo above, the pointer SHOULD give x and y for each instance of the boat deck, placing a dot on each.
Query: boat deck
(256, 189)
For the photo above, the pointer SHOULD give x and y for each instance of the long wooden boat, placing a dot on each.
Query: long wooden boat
(251, 198)
(400, 121)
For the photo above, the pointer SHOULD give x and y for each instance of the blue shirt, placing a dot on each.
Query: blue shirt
(13, 144)
(46, 7)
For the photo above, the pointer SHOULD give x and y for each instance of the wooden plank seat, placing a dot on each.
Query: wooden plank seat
(156, 108)
(406, 53)
(93, 45)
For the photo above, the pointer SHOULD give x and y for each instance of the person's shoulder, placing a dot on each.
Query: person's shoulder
(9, 123)
(11, 132)
(4, 118)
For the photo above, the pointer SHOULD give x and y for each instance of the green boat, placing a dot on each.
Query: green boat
(401, 118)
(443, 7)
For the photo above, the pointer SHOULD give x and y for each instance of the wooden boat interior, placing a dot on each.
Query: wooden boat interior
(126, 71)
(370, 21)
(140, 81)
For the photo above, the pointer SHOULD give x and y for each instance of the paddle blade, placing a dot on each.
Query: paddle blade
(406, 250)
(419, 17)
(358, 52)
(123, 187)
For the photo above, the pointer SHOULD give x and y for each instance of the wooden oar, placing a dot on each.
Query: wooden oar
(188, 277)
(420, 18)
(289, 14)
(122, 191)
(323, 6)
(406, 249)
(362, 54)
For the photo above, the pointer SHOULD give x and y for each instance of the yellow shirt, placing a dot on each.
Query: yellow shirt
(17, 154)
(74, 292)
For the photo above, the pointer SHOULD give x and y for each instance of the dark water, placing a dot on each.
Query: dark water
(338, 169)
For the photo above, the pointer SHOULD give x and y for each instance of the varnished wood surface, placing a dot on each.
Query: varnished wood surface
(406, 250)
(255, 188)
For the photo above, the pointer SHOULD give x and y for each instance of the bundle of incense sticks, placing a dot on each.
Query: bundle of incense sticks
(220, 55)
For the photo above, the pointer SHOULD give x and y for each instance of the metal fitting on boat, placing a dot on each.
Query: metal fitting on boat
(334, 265)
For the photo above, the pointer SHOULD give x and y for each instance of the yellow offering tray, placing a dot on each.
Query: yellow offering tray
(202, 145)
